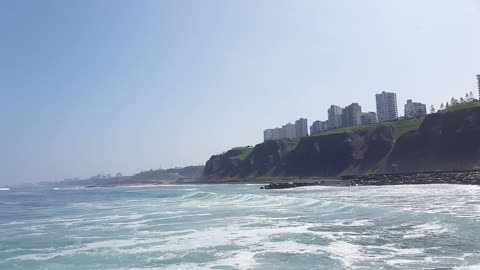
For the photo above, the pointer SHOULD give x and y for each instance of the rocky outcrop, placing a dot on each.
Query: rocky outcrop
(290, 185)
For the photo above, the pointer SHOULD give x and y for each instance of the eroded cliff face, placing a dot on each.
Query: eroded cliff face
(449, 141)
(329, 155)
(442, 142)
(265, 159)
(336, 154)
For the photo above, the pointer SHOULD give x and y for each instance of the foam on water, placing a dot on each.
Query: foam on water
(241, 227)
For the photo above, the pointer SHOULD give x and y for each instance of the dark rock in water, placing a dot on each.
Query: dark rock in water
(289, 185)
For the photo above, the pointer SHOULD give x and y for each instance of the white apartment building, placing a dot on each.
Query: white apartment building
(335, 117)
(369, 118)
(288, 131)
(352, 115)
(386, 106)
(478, 78)
(415, 109)
(301, 128)
(318, 126)
(267, 135)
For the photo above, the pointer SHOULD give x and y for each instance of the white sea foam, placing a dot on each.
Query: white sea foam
(345, 252)
(239, 260)
(351, 228)
(427, 229)
(468, 267)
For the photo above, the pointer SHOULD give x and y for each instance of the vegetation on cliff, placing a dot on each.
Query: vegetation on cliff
(461, 106)
(399, 128)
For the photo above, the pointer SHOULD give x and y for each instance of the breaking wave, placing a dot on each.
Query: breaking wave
(242, 227)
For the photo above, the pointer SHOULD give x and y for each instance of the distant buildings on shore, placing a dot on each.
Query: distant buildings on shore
(318, 126)
(478, 79)
(369, 118)
(352, 116)
(287, 131)
(335, 117)
(301, 128)
(415, 109)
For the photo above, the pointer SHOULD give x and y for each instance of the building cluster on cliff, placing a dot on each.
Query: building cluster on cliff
(351, 116)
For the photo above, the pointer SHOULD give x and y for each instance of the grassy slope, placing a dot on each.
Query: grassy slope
(358, 129)
(400, 127)
(246, 151)
(461, 106)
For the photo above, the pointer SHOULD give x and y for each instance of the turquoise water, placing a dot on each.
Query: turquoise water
(241, 227)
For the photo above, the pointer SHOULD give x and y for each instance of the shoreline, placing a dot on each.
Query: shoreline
(471, 177)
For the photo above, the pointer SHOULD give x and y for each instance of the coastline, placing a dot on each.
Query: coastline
(471, 177)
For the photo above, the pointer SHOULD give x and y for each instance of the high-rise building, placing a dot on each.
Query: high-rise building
(323, 125)
(288, 131)
(272, 134)
(415, 109)
(352, 115)
(478, 78)
(386, 106)
(318, 126)
(301, 128)
(267, 135)
(369, 118)
(277, 133)
(335, 117)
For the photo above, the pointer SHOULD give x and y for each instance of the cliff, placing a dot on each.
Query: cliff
(442, 141)
(265, 159)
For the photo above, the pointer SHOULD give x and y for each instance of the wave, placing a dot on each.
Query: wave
(4, 189)
(237, 227)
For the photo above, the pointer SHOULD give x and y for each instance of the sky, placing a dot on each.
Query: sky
(89, 87)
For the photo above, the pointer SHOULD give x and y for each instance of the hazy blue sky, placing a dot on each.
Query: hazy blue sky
(91, 87)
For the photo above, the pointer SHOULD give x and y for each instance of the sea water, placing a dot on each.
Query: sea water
(241, 227)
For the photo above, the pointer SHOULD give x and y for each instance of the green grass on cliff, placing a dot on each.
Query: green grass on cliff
(461, 106)
(400, 127)
(359, 129)
(246, 151)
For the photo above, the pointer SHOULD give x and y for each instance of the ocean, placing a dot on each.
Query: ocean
(241, 227)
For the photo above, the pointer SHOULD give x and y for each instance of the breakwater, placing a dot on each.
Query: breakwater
(454, 177)
(419, 178)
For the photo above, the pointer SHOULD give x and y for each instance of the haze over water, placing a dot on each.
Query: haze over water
(241, 227)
